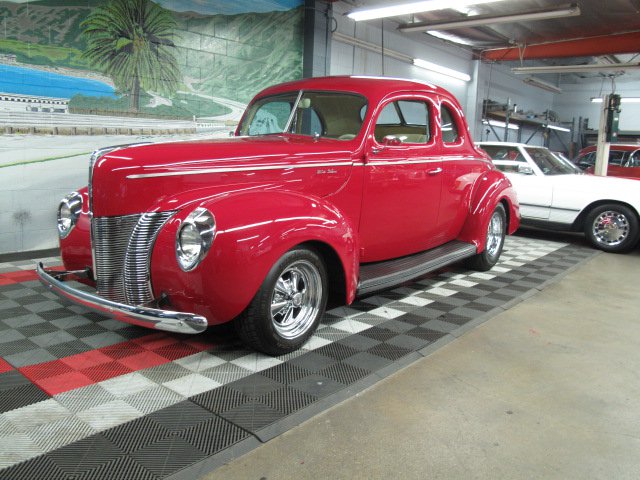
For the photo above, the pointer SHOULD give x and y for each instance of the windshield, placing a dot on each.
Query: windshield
(551, 164)
(318, 114)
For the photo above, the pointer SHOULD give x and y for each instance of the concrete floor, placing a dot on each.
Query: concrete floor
(549, 389)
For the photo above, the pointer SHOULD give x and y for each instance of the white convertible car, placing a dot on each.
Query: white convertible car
(554, 194)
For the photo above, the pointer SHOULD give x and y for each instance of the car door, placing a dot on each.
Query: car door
(460, 171)
(534, 189)
(632, 165)
(402, 181)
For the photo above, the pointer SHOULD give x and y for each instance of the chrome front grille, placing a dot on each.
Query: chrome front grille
(122, 249)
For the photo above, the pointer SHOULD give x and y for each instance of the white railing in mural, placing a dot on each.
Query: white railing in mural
(69, 122)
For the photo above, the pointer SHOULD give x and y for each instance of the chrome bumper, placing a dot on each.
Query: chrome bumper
(136, 315)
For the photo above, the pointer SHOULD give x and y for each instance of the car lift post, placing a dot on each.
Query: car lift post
(607, 132)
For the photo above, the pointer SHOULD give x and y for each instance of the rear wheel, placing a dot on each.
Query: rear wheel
(612, 228)
(494, 242)
(287, 309)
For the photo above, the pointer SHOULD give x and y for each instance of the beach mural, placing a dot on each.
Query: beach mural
(80, 74)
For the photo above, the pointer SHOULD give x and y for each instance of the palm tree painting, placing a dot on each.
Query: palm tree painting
(131, 41)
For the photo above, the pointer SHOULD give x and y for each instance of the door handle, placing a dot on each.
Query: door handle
(435, 171)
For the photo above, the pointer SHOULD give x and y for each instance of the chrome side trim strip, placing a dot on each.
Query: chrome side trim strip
(405, 162)
(291, 167)
(158, 319)
(558, 209)
(240, 169)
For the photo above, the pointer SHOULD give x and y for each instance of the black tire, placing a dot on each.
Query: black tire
(612, 227)
(287, 309)
(494, 242)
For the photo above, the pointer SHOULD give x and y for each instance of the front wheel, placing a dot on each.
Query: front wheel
(612, 228)
(494, 242)
(286, 310)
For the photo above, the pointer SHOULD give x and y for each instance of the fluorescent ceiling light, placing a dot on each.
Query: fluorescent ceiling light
(474, 21)
(555, 127)
(440, 69)
(623, 99)
(450, 38)
(497, 123)
(594, 67)
(536, 82)
(409, 8)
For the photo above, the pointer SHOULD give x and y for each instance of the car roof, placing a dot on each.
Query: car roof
(614, 146)
(371, 87)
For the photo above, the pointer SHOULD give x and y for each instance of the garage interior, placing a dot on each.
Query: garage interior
(527, 370)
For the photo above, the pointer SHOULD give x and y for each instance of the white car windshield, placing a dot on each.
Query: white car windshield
(551, 164)
(337, 115)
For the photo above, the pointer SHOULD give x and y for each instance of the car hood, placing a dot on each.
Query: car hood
(138, 178)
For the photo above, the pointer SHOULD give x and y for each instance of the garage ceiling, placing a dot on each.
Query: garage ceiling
(598, 31)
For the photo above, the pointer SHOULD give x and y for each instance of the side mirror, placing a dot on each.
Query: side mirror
(391, 140)
(525, 169)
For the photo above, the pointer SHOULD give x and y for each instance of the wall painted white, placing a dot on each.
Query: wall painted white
(576, 99)
(497, 83)
(489, 81)
(349, 60)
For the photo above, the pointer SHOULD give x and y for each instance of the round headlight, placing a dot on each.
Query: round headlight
(194, 238)
(68, 212)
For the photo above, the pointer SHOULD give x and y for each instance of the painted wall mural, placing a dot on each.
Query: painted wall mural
(80, 74)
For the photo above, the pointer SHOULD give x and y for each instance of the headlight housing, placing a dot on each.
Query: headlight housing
(194, 238)
(68, 212)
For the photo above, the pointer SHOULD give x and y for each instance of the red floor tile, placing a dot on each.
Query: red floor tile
(4, 366)
(45, 370)
(106, 371)
(63, 383)
(143, 360)
(86, 359)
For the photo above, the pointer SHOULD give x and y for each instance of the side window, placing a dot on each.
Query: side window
(634, 159)
(449, 127)
(389, 116)
(307, 122)
(271, 117)
(616, 157)
(506, 159)
(414, 113)
(587, 160)
(405, 121)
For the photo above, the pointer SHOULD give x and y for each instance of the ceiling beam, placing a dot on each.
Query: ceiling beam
(478, 20)
(591, 67)
(580, 47)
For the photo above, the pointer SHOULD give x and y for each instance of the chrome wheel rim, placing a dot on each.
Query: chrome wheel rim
(495, 234)
(611, 228)
(296, 299)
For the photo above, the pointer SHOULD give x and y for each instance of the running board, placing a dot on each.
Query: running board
(382, 275)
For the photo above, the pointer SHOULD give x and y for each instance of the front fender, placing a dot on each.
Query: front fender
(491, 188)
(254, 230)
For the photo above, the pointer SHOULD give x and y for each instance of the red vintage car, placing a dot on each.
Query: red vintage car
(331, 188)
(624, 160)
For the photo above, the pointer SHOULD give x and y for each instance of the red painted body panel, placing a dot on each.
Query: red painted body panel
(257, 232)
(624, 160)
(363, 200)
(619, 171)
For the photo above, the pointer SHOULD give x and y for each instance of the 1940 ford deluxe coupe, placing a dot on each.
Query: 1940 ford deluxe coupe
(331, 188)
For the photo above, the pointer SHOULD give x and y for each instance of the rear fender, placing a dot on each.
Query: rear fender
(491, 188)
(254, 230)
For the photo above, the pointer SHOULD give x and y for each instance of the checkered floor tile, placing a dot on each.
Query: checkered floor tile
(83, 396)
